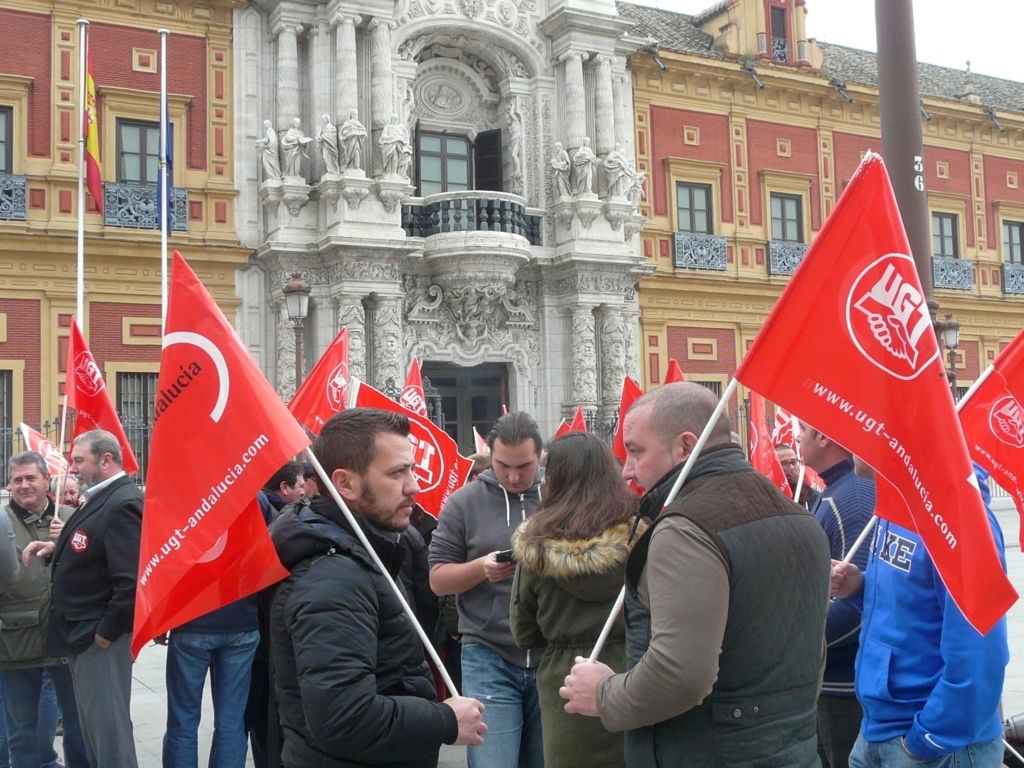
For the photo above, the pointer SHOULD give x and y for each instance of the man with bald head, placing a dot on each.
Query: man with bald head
(726, 597)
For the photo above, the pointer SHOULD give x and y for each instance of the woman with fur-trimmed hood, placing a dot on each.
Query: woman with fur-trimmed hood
(571, 557)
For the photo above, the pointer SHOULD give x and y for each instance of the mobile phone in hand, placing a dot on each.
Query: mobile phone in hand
(505, 556)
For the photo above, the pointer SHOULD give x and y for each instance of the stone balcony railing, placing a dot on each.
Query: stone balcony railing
(12, 197)
(956, 274)
(784, 257)
(699, 251)
(1013, 279)
(135, 206)
(473, 211)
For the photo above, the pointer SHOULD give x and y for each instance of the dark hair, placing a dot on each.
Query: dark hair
(289, 473)
(584, 490)
(513, 429)
(349, 439)
(99, 442)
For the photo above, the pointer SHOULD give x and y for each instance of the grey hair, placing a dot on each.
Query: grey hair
(55, 482)
(28, 457)
(684, 407)
(99, 442)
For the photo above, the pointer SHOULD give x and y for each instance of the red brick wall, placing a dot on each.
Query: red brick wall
(995, 169)
(105, 333)
(763, 155)
(186, 74)
(848, 148)
(968, 355)
(667, 141)
(25, 47)
(678, 348)
(24, 337)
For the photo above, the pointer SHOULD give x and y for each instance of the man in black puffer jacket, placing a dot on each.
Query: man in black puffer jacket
(352, 684)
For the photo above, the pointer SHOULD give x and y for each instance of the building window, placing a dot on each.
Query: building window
(136, 400)
(443, 163)
(693, 205)
(787, 218)
(780, 38)
(714, 386)
(6, 139)
(1013, 237)
(944, 240)
(138, 151)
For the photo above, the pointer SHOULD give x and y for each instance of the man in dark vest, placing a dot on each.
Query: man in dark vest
(726, 597)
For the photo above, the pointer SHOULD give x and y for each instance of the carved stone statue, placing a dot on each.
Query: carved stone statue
(515, 147)
(395, 149)
(636, 188)
(293, 148)
(327, 143)
(583, 164)
(617, 172)
(267, 149)
(562, 165)
(351, 139)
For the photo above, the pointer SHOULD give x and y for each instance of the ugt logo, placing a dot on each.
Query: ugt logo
(88, 375)
(887, 317)
(429, 462)
(337, 386)
(1006, 421)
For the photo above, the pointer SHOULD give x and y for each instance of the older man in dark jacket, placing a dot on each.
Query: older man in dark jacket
(352, 684)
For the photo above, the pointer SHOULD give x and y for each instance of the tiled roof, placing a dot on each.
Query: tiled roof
(678, 32)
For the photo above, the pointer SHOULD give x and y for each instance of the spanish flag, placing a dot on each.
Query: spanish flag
(93, 174)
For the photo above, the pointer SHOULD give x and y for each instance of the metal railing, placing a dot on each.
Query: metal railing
(13, 197)
(472, 212)
(700, 251)
(956, 274)
(134, 206)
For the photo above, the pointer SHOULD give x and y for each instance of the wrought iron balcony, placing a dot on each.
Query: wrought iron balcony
(699, 251)
(12, 196)
(784, 257)
(135, 206)
(780, 49)
(957, 274)
(1013, 279)
(474, 211)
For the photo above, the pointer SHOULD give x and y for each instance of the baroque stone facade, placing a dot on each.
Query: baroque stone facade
(453, 243)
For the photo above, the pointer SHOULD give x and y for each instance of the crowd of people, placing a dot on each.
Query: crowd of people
(746, 637)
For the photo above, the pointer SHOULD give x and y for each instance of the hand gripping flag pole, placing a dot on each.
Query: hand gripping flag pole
(680, 479)
(326, 483)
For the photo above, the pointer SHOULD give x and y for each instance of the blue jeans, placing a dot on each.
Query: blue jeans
(48, 716)
(228, 657)
(30, 698)
(892, 754)
(511, 710)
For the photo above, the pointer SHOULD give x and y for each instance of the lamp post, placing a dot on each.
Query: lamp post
(949, 332)
(296, 301)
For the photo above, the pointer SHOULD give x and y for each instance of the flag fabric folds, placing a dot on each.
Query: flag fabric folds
(91, 133)
(631, 392)
(993, 422)
(440, 470)
(579, 421)
(563, 428)
(674, 372)
(762, 452)
(480, 443)
(413, 396)
(88, 395)
(56, 464)
(849, 347)
(220, 431)
(325, 389)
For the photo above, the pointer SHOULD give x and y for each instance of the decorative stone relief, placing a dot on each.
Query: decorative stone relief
(515, 145)
(613, 358)
(352, 315)
(388, 354)
(584, 357)
(285, 353)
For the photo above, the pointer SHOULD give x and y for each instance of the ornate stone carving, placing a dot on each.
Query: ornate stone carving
(352, 315)
(355, 190)
(387, 341)
(395, 149)
(587, 210)
(613, 358)
(393, 191)
(515, 145)
(267, 149)
(617, 212)
(327, 143)
(471, 9)
(293, 148)
(351, 138)
(285, 353)
(584, 357)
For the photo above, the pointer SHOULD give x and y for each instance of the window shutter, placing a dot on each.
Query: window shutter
(487, 160)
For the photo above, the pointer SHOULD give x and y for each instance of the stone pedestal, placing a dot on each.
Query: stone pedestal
(618, 210)
(588, 208)
(392, 189)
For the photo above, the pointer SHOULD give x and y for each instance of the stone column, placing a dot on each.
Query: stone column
(381, 78)
(388, 358)
(320, 79)
(622, 97)
(613, 359)
(322, 326)
(631, 326)
(285, 351)
(584, 357)
(287, 74)
(604, 113)
(575, 99)
(346, 72)
(352, 315)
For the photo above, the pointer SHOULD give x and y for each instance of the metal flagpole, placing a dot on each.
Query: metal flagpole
(799, 484)
(680, 479)
(165, 128)
(83, 37)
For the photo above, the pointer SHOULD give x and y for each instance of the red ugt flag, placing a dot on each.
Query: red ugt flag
(87, 394)
(993, 422)
(850, 348)
(762, 452)
(674, 372)
(219, 432)
(631, 392)
(440, 470)
(413, 396)
(34, 441)
(784, 431)
(325, 389)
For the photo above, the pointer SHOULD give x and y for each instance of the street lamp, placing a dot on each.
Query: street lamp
(949, 331)
(296, 301)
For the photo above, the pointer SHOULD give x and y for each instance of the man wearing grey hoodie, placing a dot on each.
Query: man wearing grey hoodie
(475, 526)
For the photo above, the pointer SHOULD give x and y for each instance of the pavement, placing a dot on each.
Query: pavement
(149, 709)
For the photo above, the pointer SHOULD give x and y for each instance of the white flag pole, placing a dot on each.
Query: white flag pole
(974, 387)
(83, 36)
(799, 484)
(680, 479)
(163, 218)
(326, 483)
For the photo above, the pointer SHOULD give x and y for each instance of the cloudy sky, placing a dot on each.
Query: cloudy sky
(949, 32)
